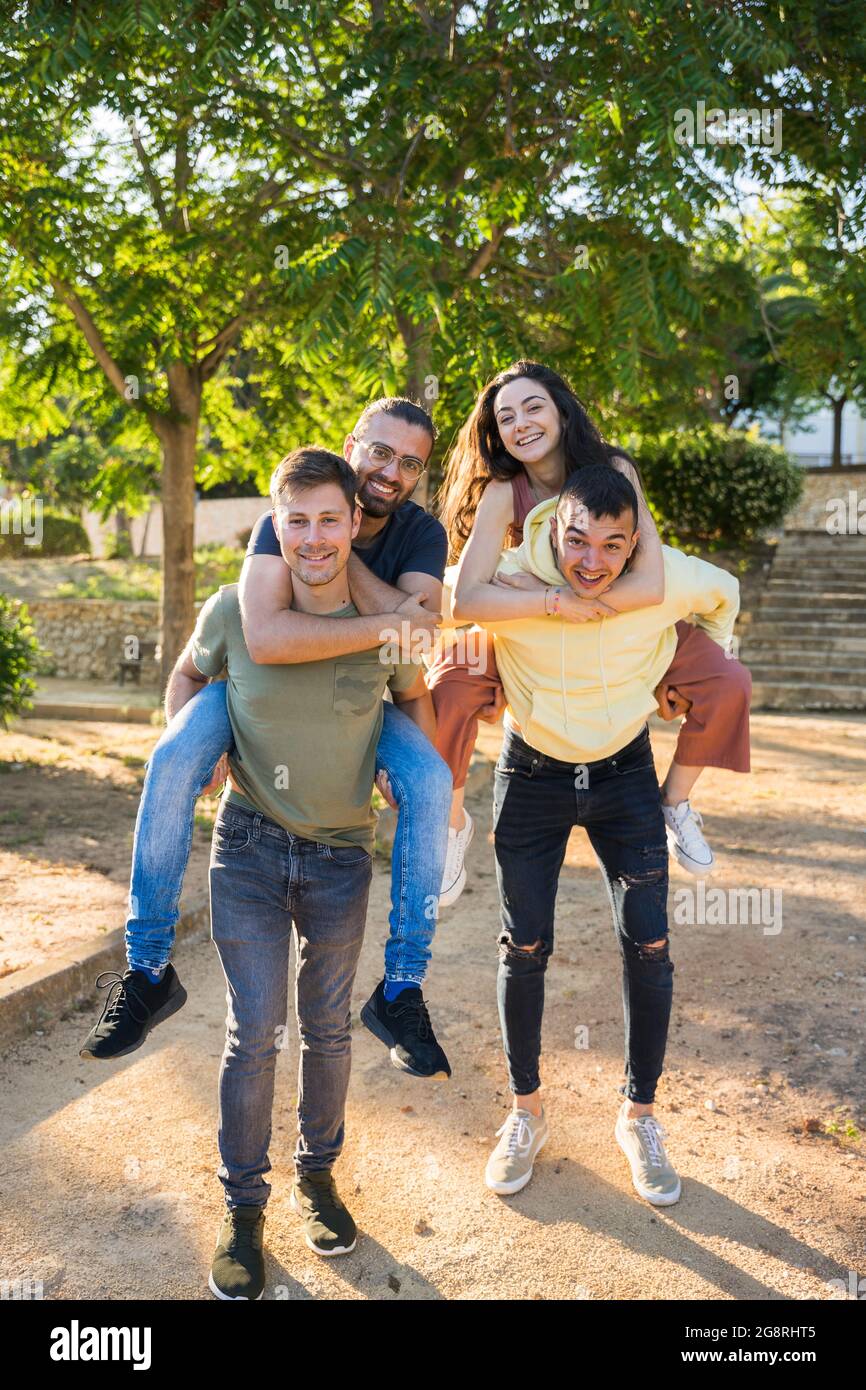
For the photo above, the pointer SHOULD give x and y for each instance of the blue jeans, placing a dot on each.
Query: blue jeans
(182, 763)
(537, 800)
(268, 886)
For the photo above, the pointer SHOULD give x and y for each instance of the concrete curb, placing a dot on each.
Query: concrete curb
(36, 997)
(102, 714)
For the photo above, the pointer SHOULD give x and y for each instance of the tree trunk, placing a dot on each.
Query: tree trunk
(421, 385)
(178, 437)
(838, 407)
(122, 537)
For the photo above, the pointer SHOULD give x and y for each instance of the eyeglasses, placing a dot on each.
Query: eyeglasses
(383, 454)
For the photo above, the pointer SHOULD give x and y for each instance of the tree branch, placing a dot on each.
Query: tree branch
(487, 250)
(150, 177)
(95, 341)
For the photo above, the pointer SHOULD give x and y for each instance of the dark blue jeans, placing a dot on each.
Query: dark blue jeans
(266, 886)
(537, 801)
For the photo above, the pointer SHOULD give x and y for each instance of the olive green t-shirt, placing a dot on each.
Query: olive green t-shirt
(305, 734)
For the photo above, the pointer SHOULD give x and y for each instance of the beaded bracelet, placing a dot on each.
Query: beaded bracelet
(554, 611)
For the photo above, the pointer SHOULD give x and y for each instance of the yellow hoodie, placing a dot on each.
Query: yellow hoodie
(581, 691)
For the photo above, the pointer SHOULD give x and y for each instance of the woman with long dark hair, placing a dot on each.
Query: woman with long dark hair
(526, 433)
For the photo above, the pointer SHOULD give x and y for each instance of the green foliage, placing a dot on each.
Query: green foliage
(718, 485)
(135, 581)
(61, 535)
(216, 565)
(266, 215)
(18, 655)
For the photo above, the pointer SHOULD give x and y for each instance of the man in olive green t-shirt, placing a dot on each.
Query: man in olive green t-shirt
(305, 735)
(291, 858)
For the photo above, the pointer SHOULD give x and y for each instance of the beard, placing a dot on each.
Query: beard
(374, 505)
(314, 575)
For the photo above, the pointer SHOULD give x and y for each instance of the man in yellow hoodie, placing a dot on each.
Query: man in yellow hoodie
(577, 752)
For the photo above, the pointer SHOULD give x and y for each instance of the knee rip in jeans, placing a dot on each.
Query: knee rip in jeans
(654, 950)
(655, 878)
(508, 949)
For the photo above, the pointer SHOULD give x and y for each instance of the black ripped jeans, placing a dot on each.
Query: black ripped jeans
(536, 802)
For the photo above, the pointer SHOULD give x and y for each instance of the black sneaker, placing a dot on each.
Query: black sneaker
(133, 1007)
(238, 1268)
(328, 1227)
(404, 1026)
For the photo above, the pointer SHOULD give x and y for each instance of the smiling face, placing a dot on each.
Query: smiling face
(316, 528)
(591, 551)
(528, 421)
(382, 485)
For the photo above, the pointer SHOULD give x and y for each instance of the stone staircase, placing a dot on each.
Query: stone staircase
(805, 640)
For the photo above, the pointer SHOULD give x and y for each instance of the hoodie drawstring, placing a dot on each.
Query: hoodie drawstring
(562, 672)
(601, 669)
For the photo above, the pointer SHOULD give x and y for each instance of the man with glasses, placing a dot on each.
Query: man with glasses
(395, 577)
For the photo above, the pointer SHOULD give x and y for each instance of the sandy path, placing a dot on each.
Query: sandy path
(109, 1186)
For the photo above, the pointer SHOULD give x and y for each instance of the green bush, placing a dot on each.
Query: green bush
(61, 535)
(18, 655)
(718, 485)
(216, 564)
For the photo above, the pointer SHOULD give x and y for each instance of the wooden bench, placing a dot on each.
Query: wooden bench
(130, 665)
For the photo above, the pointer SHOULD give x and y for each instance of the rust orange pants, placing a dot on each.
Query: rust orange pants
(714, 733)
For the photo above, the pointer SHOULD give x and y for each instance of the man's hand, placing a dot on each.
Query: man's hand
(491, 713)
(672, 705)
(219, 775)
(518, 581)
(422, 624)
(385, 788)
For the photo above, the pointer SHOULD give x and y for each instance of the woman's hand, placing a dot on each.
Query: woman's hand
(582, 610)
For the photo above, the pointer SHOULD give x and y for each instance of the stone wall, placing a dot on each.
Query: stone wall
(84, 638)
(820, 488)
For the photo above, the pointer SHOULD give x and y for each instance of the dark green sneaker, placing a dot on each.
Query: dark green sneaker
(328, 1227)
(238, 1268)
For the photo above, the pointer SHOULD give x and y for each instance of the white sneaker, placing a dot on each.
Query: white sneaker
(509, 1167)
(652, 1173)
(685, 841)
(454, 877)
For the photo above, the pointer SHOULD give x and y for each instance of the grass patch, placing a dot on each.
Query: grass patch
(140, 581)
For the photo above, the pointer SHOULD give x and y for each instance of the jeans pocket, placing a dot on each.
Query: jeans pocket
(346, 854)
(513, 762)
(636, 757)
(229, 837)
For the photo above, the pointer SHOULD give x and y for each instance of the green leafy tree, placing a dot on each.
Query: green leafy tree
(385, 194)
(18, 653)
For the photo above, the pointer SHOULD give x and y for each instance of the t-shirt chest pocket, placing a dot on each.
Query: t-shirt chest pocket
(357, 686)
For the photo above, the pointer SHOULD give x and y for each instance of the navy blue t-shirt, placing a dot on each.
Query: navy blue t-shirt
(411, 541)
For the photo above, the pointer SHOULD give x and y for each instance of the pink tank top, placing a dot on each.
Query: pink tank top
(524, 501)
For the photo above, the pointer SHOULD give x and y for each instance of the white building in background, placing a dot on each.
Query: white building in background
(811, 443)
(218, 520)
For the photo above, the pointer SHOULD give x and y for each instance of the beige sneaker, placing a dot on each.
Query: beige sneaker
(454, 875)
(509, 1167)
(652, 1172)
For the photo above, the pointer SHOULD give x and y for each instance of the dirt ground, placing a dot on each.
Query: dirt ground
(68, 800)
(109, 1172)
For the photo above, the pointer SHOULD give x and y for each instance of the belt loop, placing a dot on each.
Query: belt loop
(256, 830)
